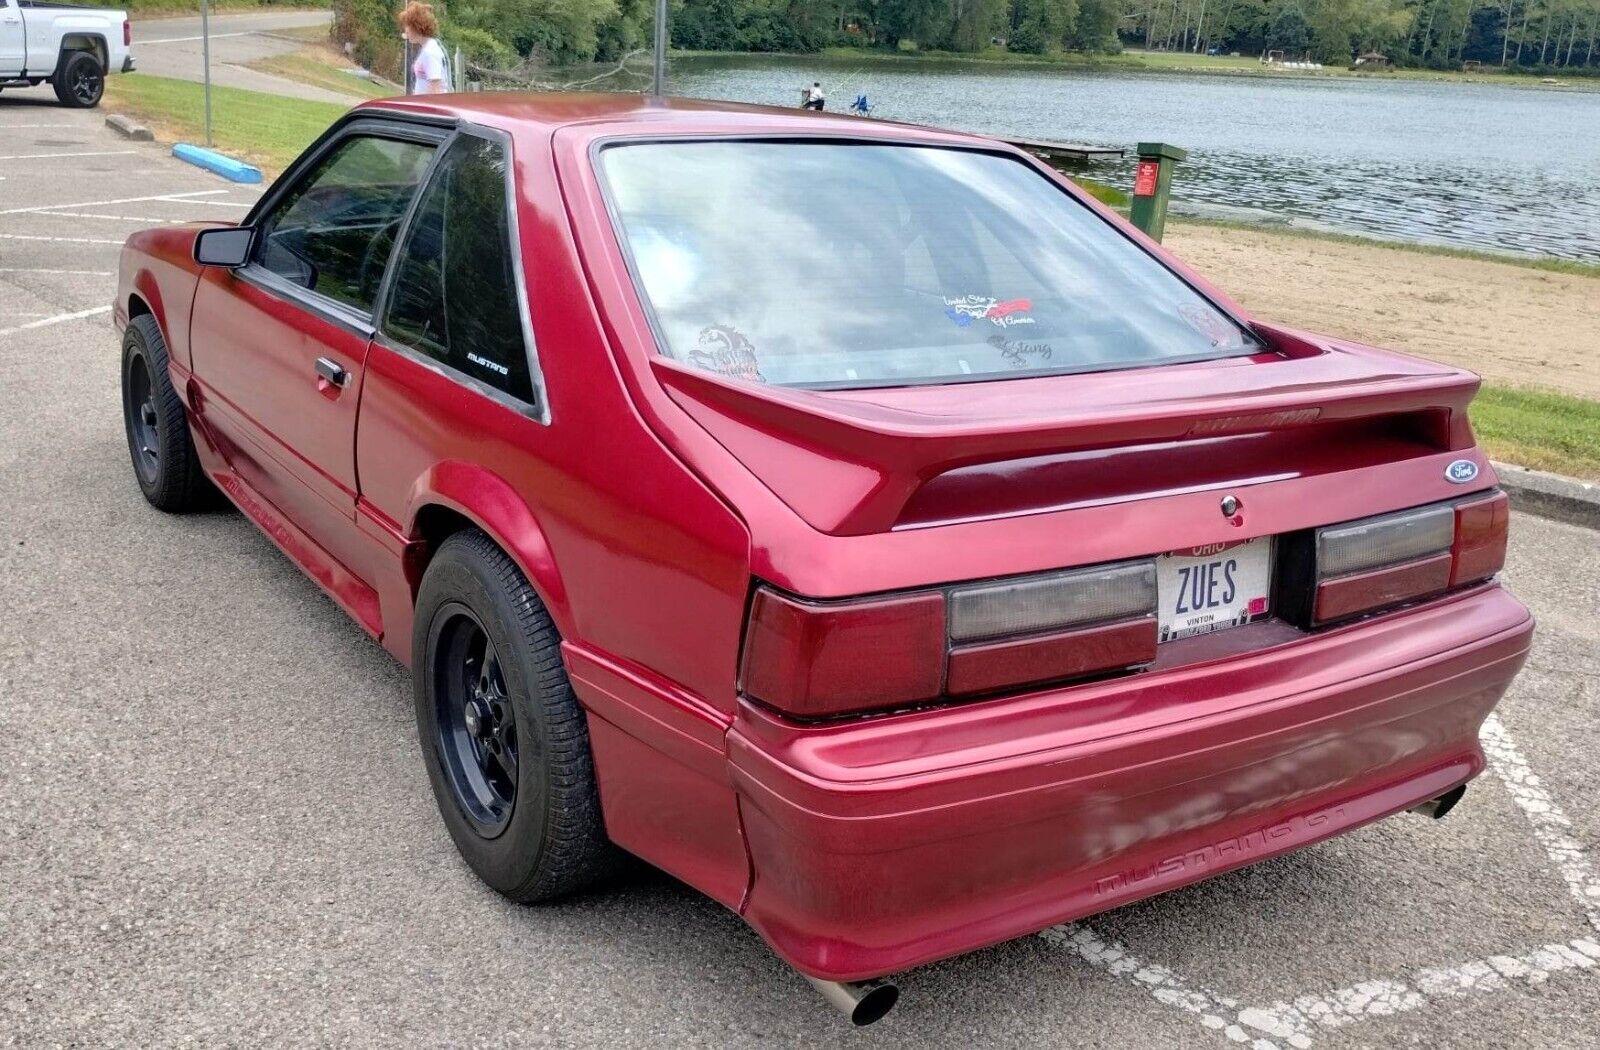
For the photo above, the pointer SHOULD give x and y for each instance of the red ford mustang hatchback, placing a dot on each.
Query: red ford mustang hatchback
(854, 520)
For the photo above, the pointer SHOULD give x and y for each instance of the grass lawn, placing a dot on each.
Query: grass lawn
(267, 130)
(320, 67)
(1540, 430)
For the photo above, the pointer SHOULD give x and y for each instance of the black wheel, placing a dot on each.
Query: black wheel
(164, 460)
(80, 80)
(503, 737)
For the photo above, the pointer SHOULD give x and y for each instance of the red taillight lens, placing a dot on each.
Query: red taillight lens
(820, 659)
(1482, 526)
(990, 666)
(1394, 558)
(127, 32)
(816, 659)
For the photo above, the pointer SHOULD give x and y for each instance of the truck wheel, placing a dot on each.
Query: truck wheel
(504, 740)
(80, 81)
(164, 460)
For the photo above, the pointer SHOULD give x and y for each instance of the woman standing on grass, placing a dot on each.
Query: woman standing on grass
(430, 70)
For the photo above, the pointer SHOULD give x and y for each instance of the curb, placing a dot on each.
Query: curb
(1551, 495)
(125, 127)
(221, 164)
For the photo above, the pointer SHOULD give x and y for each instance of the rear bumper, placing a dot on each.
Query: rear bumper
(883, 844)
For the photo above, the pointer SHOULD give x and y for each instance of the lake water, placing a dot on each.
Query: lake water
(1480, 166)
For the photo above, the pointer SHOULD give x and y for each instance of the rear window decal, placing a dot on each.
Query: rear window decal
(1208, 323)
(1004, 313)
(724, 350)
(1017, 351)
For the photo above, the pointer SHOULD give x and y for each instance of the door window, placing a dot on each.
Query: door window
(457, 295)
(333, 232)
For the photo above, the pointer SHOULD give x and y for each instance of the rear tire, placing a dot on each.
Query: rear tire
(164, 461)
(80, 80)
(503, 738)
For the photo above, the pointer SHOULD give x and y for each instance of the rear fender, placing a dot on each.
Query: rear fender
(490, 503)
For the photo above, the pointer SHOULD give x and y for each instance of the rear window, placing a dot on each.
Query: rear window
(854, 265)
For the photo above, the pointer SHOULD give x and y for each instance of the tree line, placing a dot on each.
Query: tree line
(1523, 35)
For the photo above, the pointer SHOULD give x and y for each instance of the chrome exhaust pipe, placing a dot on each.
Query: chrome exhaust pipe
(862, 1001)
(1438, 807)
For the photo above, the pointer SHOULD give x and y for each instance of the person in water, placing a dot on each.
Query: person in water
(815, 99)
(430, 69)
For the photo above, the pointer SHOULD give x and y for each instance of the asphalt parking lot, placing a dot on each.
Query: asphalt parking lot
(215, 827)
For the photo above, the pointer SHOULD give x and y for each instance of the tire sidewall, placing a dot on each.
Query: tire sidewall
(136, 345)
(456, 577)
(64, 83)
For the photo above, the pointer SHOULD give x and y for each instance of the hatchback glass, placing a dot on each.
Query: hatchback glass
(854, 265)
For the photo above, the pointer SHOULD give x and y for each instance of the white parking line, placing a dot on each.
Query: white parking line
(1215, 1012)
(99, 215)
(55, 156)
(1387, 998)
(8, 127)
(60, 240)
(218, 204)
(173, 197)
(57, 319)
(1550, 825)
(1293, 1023)
(69, 273)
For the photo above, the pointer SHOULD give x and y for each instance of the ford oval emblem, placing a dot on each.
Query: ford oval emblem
(1461, 471)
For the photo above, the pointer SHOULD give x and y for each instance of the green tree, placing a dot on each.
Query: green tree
(1095, 28)
(1040, 26)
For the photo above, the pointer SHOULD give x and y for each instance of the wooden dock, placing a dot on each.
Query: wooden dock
(1069, 152)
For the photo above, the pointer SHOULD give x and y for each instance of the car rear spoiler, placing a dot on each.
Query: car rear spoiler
(850, 461)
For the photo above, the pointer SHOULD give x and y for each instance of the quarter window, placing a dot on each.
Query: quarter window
(456, 296)
(333, 233)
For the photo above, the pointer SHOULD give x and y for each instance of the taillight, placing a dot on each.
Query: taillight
(127, 32)
(820, 659)
(1063, 625)
(1392, 558)
(816, 659)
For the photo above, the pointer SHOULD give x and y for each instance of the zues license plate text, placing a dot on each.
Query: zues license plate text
(1212, 588)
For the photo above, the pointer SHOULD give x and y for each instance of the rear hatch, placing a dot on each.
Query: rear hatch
(1067, 528)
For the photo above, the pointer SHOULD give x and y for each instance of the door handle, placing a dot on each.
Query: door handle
(332, 371)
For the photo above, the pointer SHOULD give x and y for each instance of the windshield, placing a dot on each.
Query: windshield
(854, 265)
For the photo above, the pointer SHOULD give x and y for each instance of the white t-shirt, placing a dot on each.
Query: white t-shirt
(429, 65)
(815, 94)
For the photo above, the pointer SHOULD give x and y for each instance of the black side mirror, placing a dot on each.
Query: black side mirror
(225, 246)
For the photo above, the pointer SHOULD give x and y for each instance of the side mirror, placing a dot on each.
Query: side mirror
(226, 246)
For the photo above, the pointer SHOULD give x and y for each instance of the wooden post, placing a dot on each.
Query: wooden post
(1152, 185)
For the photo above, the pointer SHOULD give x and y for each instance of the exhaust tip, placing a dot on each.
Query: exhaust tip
(875, 1004)
(864, 1002)
(1438, 807)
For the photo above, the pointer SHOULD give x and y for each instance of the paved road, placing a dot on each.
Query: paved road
(171, 47)
(214, 825)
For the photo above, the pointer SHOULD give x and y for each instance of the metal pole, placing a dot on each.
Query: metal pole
(658, 85)
(205, 50)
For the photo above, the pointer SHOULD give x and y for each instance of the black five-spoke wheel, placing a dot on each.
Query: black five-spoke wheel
(87, 83)
(475, 721)
(504, 739)
(143, 423)
(165, 462)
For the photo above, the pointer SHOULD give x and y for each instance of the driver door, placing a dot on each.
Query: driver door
(13, 53)
(280, 344)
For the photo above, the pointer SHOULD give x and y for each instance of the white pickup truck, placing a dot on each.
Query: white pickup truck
(71, 47)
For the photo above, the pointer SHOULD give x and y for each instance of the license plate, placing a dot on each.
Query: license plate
(1212, 588)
